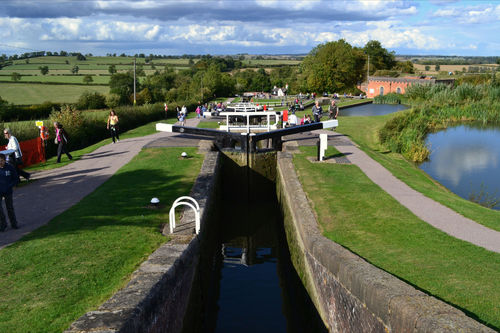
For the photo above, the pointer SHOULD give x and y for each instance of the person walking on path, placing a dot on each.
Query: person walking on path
(8, 179)
(317, 110)
(333, 110)
(61, 140)
(18, 155)
(113, 125)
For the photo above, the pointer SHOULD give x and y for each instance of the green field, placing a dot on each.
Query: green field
(58, 79)
(19, 93)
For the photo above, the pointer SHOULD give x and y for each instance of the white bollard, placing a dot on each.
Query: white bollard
(323, 145)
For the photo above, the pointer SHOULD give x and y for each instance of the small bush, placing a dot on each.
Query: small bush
(91, 100)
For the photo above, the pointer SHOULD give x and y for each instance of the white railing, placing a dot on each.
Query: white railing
(179, 202)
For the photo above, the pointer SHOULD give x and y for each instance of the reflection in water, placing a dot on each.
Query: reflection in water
(462, 158)
(247, 280)
(371, 110)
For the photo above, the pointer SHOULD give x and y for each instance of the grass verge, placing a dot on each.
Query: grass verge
(72, 265)
(363, 130)
(357, 214)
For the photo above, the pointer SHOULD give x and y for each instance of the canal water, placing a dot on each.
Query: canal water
(251, 285)
(465, 159)
(371, 110)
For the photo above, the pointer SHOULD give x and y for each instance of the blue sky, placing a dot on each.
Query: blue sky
(439, 27)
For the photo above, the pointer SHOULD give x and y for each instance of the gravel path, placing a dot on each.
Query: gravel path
(56, 190)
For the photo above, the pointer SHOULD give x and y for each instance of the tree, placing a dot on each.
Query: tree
(427, 68)
(80, 57)
(380, 58)
(44, 69)
(405, 67)
(15, 76)
(88, 79)
(112, 69)
(91, 100)
(334, 67)
(122, 84)
(437, 68)
(75, 69)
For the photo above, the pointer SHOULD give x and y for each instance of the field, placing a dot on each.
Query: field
(20, 93)
(448, 68)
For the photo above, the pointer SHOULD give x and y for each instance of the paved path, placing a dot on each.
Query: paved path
(428, 210)
(56, 190)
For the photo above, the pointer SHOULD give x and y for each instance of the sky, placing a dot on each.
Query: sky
(218, 27)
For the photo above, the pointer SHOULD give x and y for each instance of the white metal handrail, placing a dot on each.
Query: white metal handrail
(195, 207)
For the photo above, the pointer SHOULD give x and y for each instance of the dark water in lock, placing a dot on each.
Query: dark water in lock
(253, 285)
(371, 110)
(466, 160)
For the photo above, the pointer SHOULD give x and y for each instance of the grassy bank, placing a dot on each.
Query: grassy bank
(364, 131)
(72, 265)
(436, 107)
(357, 214)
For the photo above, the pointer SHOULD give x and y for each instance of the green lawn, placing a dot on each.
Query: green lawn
(19, 93)
(363, 130)
(72, 265)
(357, 214)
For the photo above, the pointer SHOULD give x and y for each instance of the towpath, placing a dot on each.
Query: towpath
(56, 190)
(430, 211)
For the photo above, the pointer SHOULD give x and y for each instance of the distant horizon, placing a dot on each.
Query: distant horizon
(225, 27)
(250, 54)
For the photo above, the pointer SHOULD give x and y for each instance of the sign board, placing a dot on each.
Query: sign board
(38, 123)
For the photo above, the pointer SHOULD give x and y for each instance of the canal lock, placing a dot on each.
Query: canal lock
(245, 281)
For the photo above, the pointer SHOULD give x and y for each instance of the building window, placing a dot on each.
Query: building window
(398, 90)
(381, 91)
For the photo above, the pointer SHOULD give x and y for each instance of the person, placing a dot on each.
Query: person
(166, 110)
(112, 125)
(292, 120)
(61, 140)
(178, 110)
(184, 110)
(203, 110)
(8, 179)
(182, 119)
(333, 110)
(317, 111)
(308, 119)
(198, 111)
(18, 155)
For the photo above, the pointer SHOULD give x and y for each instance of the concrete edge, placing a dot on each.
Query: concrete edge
(157, 296)
(399, 306)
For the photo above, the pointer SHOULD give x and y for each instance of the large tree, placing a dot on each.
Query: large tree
(380, 58)
(333, 67)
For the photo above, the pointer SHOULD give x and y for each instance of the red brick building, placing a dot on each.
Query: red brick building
(385, 85)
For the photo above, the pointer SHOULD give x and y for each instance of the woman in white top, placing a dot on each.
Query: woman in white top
(18, 155)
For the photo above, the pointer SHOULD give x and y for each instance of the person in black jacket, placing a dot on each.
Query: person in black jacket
(61, 140)
(8, 179)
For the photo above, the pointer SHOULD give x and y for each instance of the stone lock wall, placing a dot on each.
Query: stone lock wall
(350, 294)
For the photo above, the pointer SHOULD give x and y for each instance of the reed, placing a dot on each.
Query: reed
(437, 107)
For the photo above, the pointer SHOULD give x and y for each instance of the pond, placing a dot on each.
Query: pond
(465, 159)
(370, 109)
